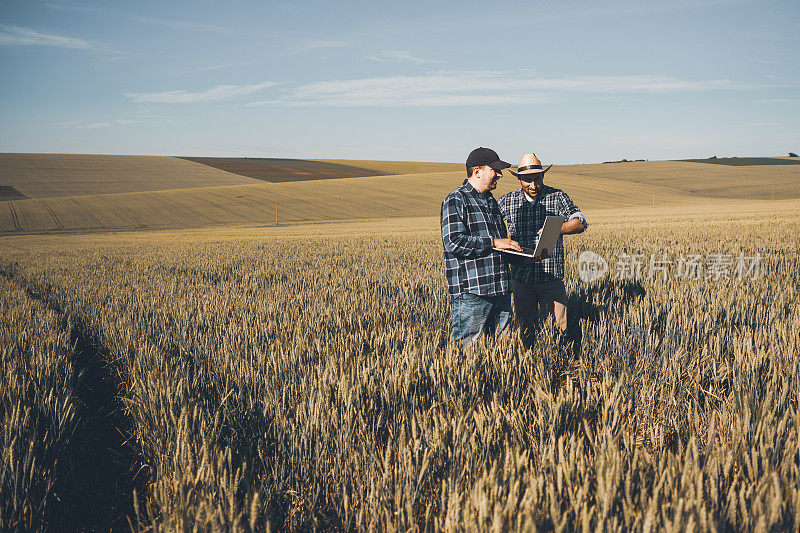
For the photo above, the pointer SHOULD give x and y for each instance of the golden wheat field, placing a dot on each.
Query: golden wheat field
(302, 377)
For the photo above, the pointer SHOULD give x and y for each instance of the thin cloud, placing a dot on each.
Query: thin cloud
(765, 124)
(89, 125)
(182, 96)
(400, 56)
(318, 45)
(83, 124)
(70, 6)
(19, 36)
(190, 25)
(209, 68)
(779, 101)
(630, 8)
(475, 88)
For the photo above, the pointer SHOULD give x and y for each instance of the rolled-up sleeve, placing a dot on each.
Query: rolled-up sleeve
(569, 210)
(455, 236)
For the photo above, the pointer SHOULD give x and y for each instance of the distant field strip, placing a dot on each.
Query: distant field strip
(280, 170)
(746, 161)
(398, 167)
(10, 193)
(698, 179)
(52, 175)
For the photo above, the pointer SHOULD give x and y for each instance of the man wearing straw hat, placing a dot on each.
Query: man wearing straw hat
(538, 285)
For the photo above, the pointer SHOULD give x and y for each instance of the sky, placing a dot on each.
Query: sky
(572, 81)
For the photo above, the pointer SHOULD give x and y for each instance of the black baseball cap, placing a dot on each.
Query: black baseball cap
(485, 156)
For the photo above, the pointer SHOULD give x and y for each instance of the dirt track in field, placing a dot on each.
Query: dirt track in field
(283, 170)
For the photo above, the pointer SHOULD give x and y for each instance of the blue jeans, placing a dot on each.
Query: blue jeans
(473, 315)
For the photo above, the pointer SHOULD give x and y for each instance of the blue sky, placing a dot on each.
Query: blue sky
(572, 81)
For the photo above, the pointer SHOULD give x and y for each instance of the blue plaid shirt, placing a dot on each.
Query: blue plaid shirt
(470, 223)
(526, 218)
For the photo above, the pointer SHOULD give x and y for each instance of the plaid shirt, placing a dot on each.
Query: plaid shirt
(525, 219)
(470, 223)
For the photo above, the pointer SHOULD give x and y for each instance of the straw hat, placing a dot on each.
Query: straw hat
(529, 164)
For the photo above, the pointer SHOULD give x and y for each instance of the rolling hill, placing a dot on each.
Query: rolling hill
(224, 198)
(50, 175)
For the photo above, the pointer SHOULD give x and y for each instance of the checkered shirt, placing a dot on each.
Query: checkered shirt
(526, 218)
(470, 223)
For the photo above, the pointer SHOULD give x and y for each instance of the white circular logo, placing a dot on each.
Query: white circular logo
(591, 266)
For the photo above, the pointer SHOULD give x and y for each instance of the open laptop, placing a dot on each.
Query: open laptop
(546, 242)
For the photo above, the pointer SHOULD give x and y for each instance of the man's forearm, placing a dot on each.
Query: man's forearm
(571, 227)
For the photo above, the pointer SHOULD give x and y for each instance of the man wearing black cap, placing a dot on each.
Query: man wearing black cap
(478, 279)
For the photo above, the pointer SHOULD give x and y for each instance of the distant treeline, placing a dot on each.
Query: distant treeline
(625, 161)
